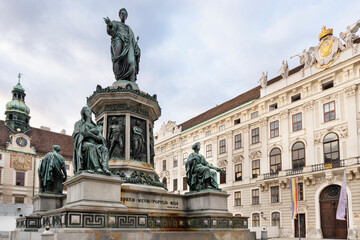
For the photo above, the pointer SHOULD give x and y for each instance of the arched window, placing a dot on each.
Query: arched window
(10, 116)
(298, 155)
(275, 219)
(256, 220)
(331, 148)
(275, 160)
(164, 181)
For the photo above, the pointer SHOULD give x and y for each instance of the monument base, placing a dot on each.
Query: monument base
(94, 190)
(143, 234)
(47, 201)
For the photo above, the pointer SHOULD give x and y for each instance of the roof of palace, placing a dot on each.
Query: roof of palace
(42, 140)
(232, 103)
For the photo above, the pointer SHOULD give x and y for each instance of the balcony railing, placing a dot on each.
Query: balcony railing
(329, 165)
(295, 171)
(311, 168)
(271, 175)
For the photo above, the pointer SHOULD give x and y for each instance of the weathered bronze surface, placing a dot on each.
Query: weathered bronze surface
(138, 142)
(125, 52)
(52, 172)
(116, 137)
(90, 151)
(198, 171)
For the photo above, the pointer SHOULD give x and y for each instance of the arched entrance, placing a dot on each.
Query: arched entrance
(331, 228)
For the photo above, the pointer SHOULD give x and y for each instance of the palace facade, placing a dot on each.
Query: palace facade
(303, 124)
(22, 147)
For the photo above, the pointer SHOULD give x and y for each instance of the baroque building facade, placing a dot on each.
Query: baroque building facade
(303, 124)
(22, 148)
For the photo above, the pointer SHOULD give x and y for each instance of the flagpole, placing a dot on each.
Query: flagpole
(297, 206)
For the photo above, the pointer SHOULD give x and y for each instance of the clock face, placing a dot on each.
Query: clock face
(22, 142)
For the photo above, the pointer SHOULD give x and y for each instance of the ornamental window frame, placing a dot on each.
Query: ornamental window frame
(222, 146)
(237, 141)
(237, 198)
(255, 135)
(329, 111)
(274, 129)
(296, 121)
(238, 172)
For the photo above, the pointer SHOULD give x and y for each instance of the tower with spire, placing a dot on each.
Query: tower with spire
(17, 113)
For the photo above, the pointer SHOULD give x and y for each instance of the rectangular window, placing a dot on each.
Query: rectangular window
(329, 111)
(273, 107)
(237, 141)
(255, 196)
(223, 177)
(67, 167)
(196, 138)
(184, 183)
(164, 165)
(222, 146)
(254, 115)
(184, 142)
(175, 184)
(237, 198)
(208, 133)
(256, 220)
(297, 122)
(208, 150)
(327, 85)
(274, 129)
(255, 168)
(275, 194)
(0, 156)
(255, 138)
(296, 97)
(238, 172)
(275, 219)
(20, 179)
(237, 121)
(301, 191)
(221, 127)
(175, 161)
(185, 156)
(19, 199)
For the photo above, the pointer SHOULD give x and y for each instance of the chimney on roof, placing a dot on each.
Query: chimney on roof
(45, 128)
(63, 131)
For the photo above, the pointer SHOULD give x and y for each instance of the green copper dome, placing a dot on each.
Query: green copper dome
(17, 105)
(18, 87)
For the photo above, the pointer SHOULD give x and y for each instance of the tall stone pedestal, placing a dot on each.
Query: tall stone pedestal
(94, 191)
(45, 201)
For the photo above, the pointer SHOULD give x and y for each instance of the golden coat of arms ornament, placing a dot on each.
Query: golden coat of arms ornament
(328, 49)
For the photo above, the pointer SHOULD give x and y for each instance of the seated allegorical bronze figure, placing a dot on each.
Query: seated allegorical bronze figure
(199, 172)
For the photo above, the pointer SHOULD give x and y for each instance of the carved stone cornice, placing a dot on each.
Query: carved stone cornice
(255, 154)
(284, 114)
(222, 163)
(238, 158)
(263, 121)
(350, 91)
(329, 98)
(309, 105)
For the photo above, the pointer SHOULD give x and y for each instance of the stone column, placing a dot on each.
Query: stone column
(148, 141)
(351, 130)
(264, 133)
(308, 121)
(284, 134)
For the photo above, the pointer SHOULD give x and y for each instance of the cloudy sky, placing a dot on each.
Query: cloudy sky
(195, 54)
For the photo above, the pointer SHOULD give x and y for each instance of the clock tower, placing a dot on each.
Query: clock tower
(17, 113)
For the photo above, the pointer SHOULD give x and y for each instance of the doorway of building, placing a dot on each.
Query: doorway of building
(331, 228)
(300, 216)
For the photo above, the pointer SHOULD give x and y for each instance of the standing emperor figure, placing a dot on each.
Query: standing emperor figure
(125, 52)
